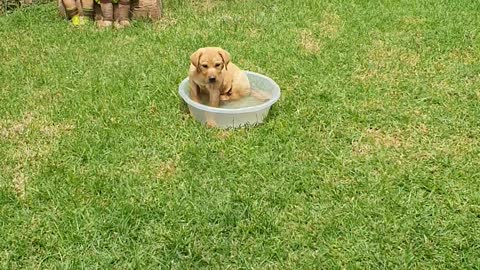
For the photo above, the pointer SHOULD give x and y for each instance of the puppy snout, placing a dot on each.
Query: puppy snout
(212, 78)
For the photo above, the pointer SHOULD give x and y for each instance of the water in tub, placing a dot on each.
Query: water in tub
(244, 102)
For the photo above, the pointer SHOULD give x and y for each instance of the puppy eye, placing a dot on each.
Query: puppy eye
(205, 66)
(217, 64)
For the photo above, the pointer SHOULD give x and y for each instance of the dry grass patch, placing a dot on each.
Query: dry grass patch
(166, 169)
(412, 20)
(387, 64)
(374, 139)
(308, 42)
(149, 166)
(254, 33)
(462, 56)
(331, 25)
(165, 22)
(204, 5)
(28, 142)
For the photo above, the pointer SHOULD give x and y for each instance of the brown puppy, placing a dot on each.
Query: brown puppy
(212, 73)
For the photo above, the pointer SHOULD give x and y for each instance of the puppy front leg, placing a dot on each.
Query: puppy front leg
(194, 92)
(214, 102)
(214, 97)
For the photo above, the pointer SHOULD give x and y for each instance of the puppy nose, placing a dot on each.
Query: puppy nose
(211, 79)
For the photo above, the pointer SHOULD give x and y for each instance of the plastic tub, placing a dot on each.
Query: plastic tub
(239, 117)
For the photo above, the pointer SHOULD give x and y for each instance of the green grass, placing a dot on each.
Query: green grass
(369, 160)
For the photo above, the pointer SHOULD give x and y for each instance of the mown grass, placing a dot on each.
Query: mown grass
(369, 160)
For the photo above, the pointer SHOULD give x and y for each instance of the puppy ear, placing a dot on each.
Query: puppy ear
(195, 59)
(225, 57)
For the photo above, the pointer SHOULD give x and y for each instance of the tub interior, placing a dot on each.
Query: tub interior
(257, 84)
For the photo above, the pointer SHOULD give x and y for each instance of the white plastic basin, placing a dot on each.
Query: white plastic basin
(238, 117)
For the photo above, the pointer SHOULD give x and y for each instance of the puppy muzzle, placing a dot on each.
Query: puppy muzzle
(212, 79)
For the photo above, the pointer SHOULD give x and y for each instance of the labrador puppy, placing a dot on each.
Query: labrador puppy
(212, 73)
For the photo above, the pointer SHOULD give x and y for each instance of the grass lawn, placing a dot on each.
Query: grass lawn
(371, 158)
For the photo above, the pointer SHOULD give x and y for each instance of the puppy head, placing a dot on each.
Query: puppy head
(210, 62)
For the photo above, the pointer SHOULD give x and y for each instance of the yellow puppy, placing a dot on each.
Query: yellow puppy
(212, 73)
